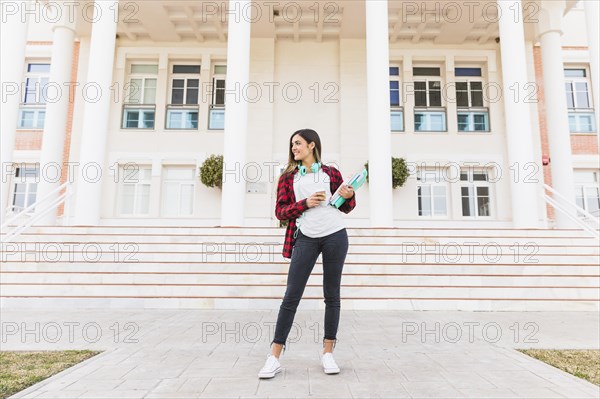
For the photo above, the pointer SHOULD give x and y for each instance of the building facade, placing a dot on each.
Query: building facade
(486, 102)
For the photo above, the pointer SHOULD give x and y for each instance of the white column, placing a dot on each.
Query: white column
(378, 114)
(524, 194)
(592, 9)
(233, 197)
(557, 115)
(13, 41)
(57, 109)
(92, 156)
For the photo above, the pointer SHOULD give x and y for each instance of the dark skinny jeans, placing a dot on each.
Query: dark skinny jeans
(304, 256)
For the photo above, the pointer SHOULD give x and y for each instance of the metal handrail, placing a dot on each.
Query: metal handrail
(20, 228)
(579, 221)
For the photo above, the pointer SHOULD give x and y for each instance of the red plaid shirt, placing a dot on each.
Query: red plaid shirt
(288, 209)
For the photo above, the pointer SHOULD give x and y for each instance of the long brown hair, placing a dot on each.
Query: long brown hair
(311, 137)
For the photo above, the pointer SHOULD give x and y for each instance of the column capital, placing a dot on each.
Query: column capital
(69, 27)
(550, 17)
(62, 14)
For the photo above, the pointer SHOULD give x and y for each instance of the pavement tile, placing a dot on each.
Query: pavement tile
(431, 390)
(170, 359)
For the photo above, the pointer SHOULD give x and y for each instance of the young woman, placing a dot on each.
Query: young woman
(302, 193)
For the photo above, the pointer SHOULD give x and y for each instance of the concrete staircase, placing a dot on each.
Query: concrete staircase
(242, 268)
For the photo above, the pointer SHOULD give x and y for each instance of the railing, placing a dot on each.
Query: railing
(588, 222)
(19, 226)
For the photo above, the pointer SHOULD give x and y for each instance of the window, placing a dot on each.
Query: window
(582, 122)
(472, 115)
(420, 71)
(469, 94)
(428, 93)
(185, 84)
(26, 180)
(397, 113)
(216, 117)
(142, 84)
(475, 193)
(32, 113)
(178, 191)
(138, 117)
(587, 191)
(32, 118)
(579, 101)
(469, 121)
(139, 107)
(182, 112)
(135, 190)
(36, 81)
(429, 113)
(431, 193)
(467, 72)
(430, 121)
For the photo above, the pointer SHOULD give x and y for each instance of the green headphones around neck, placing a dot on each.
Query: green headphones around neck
(302, 169)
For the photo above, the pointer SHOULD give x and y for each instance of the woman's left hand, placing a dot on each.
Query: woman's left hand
(347, 192)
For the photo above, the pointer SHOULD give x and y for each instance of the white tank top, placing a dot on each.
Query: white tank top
(321, 220)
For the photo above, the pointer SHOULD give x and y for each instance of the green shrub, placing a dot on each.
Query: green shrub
(211, 171)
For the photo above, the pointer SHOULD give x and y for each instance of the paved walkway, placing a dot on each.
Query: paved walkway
(201, 354)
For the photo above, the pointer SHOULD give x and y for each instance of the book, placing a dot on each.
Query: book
(356, 181)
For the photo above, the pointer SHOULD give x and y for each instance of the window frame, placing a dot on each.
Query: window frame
(471, 110)
(572, 80)
(577, 113)
(395, 109)
(37, 107)
(184, 109)
(471, 184)
(582, 188)
(180, 182)
(427, 80)
(123, 180)
(142, 109)
(37, 111)
(429, 110)
(432, 184)
(185, 77)
(144, 76)
(39, 77)
(27, 181)
(214, 107)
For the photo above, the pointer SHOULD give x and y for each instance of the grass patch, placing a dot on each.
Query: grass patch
(581, 363)
(19, 370)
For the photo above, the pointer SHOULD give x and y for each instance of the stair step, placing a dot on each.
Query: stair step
(249, 246)
(278, 268)
(275, 231)
(105, 290)
(316, 279)
(242, 267)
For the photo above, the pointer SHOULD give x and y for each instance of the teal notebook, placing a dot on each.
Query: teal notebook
(355, 181)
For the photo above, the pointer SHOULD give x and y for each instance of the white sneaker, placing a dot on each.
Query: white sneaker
(329, 364)
(271, 367)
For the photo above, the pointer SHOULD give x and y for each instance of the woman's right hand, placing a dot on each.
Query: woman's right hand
(315, 200)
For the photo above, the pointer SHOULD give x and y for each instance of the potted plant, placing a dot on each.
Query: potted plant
(211, 171)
